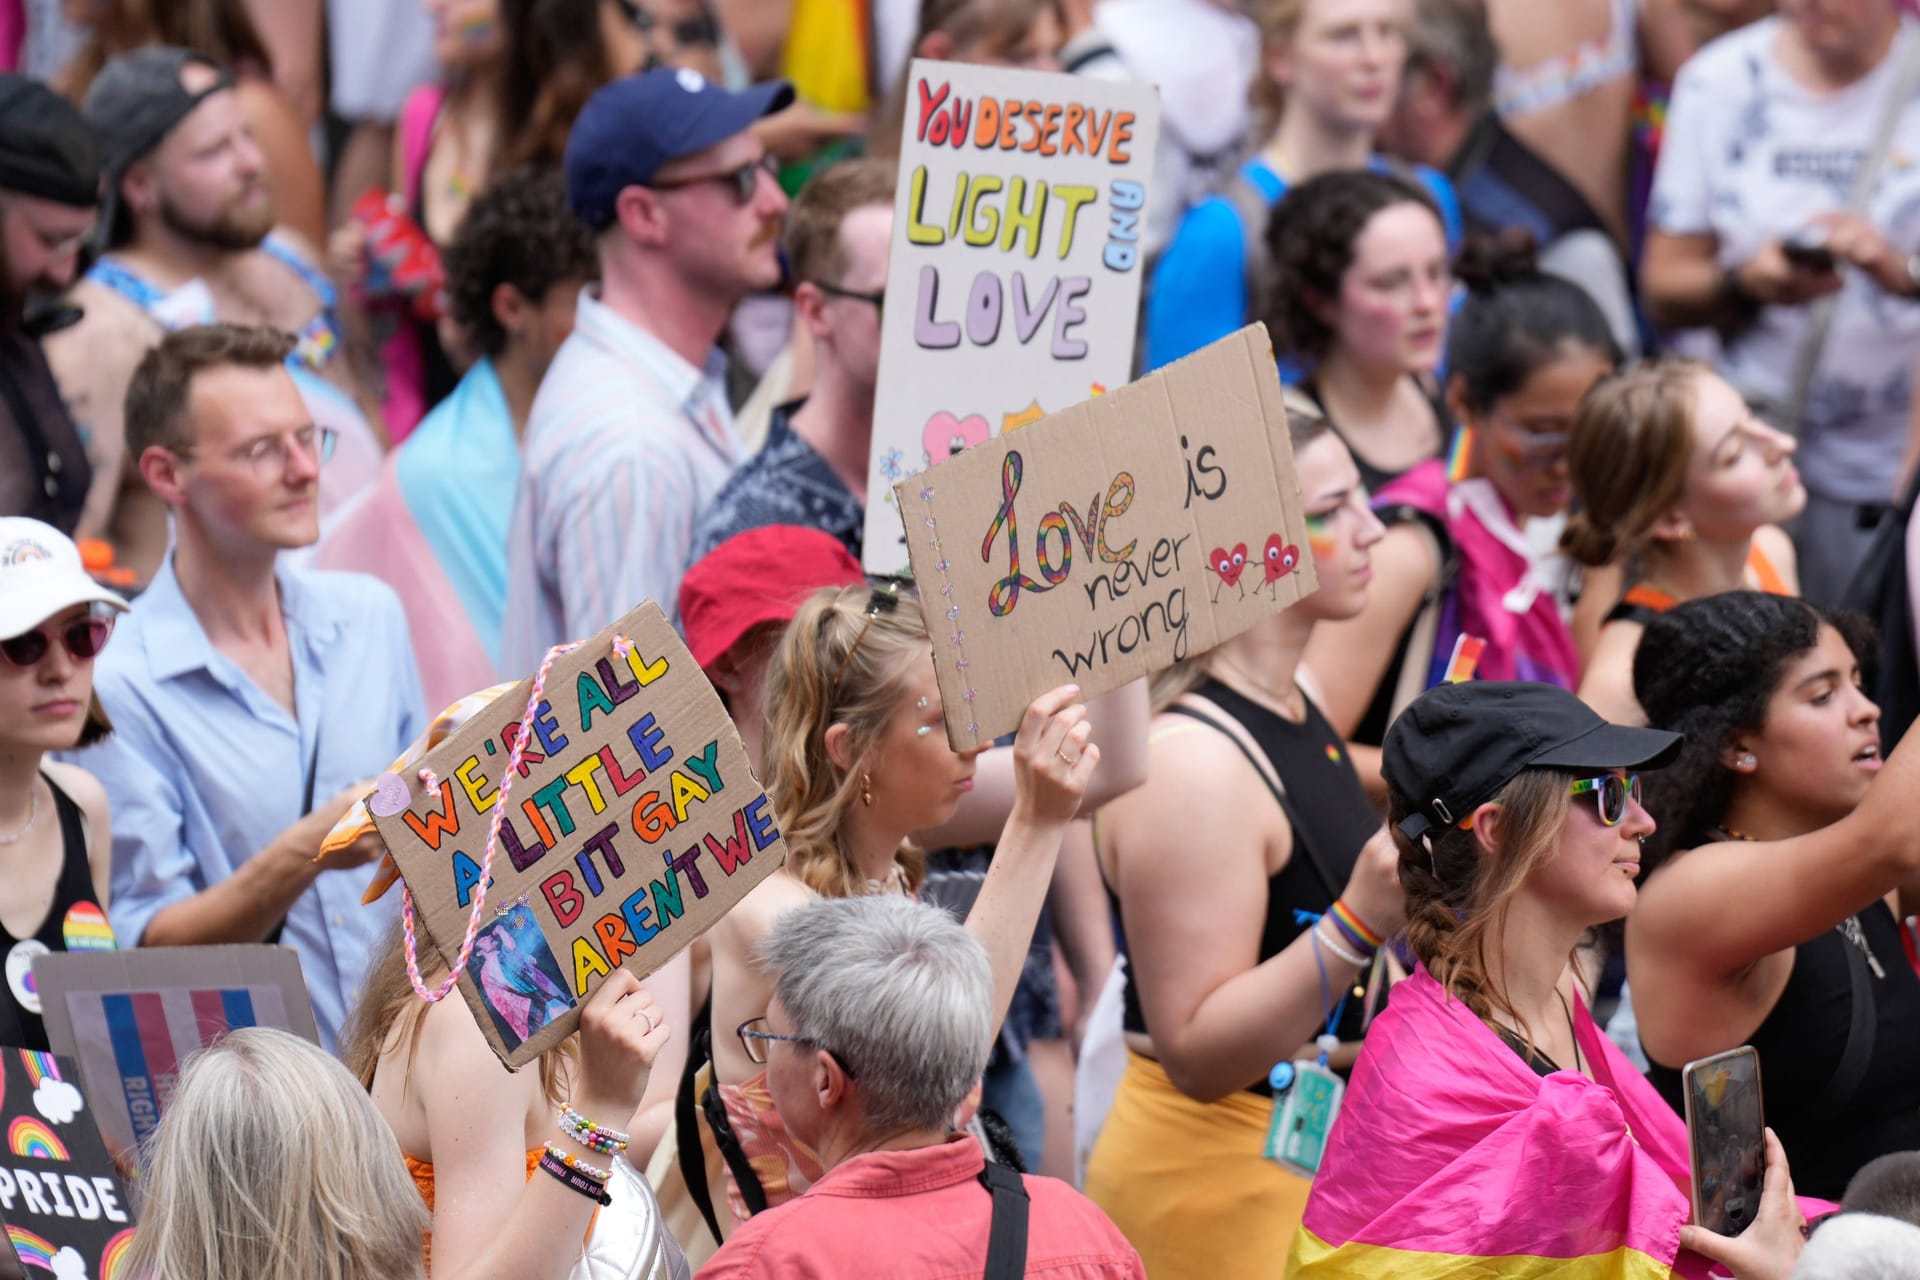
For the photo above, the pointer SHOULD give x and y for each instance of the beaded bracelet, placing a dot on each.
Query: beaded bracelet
(588, 1134)
(1356, 929)
(1333, 944)
(576, 1179)
(576, 1163)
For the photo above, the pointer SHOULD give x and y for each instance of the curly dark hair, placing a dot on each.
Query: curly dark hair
(1310, 237)
(1516, 319)
(518, 231)
(1707, 669)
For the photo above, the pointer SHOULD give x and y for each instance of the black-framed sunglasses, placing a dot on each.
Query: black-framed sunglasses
(878, 298)
(1614, 790)
(703, 29)
(754, 1038)
(84, 638)
(743, 181)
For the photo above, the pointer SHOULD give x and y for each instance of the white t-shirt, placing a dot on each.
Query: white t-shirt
(1750, 153)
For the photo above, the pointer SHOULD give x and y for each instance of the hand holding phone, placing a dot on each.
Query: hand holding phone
(1809, 254)
(1726, 1133)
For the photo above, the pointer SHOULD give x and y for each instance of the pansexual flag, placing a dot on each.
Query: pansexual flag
(1452, 1159)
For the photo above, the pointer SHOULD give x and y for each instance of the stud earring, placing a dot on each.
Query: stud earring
(866, 790)
(923, 704)
(1746, 761)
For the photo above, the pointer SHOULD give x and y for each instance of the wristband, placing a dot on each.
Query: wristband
(1339, 949)
(576, 1163)
(575, 1179)
(1350, 923)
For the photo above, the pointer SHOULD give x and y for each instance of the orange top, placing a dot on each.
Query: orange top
(1764, 574)
(422, 1173)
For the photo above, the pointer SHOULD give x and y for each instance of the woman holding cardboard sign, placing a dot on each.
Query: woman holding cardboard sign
(857, 760)
(1250, 812)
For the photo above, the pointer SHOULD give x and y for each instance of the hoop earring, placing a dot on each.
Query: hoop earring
(866, 790)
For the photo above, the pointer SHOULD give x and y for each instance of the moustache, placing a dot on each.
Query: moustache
(768, 233)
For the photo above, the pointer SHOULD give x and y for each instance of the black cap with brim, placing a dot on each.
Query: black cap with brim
(46, 148)
(1457, 745)
(133, 104)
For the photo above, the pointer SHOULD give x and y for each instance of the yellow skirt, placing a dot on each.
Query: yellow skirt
(1185, 1181)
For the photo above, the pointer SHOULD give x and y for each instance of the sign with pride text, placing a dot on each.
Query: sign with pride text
(1112, 540)
(64, 1206)
(632, 825)
(1013, 285)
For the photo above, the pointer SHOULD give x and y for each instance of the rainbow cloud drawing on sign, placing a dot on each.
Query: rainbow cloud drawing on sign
(27, 1136)
(38, 1252)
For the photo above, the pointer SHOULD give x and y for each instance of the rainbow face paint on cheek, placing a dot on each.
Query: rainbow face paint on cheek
(1320, 535)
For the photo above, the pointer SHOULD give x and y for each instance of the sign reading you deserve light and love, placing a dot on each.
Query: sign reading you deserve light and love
(1013, 282)
(1112, 540)
(633, 824)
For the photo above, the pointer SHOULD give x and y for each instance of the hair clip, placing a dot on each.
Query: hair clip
(885, 599)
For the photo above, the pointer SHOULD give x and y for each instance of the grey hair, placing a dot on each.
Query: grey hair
(1861, 1246)
(898, 990)
(1455, 34)
(271, 1163)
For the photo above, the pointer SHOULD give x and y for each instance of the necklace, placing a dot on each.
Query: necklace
(33, 816)
(1849, 928)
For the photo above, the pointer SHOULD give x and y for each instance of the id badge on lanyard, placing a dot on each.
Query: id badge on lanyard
(1306, 1102)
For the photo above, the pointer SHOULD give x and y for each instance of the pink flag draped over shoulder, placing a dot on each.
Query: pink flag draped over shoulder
(1452, 1158)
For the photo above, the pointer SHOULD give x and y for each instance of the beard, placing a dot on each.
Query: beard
(233, 228)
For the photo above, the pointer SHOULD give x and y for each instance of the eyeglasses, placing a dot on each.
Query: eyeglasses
(878, 298)
(1536, 450)
(745, 180)
(1614, 791)
(52, 242)
(268, 456)
(754, 1037)
(702, 30)
(84, 639)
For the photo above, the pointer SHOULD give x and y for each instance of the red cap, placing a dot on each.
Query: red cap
(762, 575)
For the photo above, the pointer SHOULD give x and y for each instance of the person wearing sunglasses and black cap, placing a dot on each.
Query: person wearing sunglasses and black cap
(55, 846)
(1488, 1117)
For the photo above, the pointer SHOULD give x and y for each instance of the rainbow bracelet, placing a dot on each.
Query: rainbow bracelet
(1354, 927)
(588, 1134)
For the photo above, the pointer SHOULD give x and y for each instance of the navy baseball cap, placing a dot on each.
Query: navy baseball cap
(633, 126)
(1457, 745)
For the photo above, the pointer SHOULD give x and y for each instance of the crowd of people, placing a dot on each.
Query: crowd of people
(355, 354)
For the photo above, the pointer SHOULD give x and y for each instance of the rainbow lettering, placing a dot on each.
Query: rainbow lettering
(27, 1136)
(34, 1251)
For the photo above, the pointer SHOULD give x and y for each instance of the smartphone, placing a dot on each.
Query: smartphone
(1727, 1137)
(1809, 252)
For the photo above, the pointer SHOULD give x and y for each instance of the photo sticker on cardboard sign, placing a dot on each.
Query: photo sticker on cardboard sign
(1013, 279)
(518, 977)
(61, 1198)
(631, 826)
(1111, 540)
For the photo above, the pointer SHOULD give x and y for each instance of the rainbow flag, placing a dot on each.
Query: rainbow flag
(1451, 1158)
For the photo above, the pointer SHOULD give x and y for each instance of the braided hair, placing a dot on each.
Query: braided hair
(1707, 670)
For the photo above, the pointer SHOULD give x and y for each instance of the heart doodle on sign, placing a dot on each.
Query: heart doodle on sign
(1282, 558)
(1228, 566)
(946, 435)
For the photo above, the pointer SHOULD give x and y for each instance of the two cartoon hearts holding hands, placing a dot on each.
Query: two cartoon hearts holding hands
(1278, 559)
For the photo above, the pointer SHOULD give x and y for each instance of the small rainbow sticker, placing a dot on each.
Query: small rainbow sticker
(113, 1258)
(27, 1136)
(34, 1251)
(86, 928)
(1333, 754)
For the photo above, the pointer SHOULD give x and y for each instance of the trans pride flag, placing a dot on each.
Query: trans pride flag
(1451, 1158)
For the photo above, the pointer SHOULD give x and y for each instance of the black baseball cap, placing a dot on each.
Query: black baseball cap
(1457, 745)
(46, 149)
(636, 124)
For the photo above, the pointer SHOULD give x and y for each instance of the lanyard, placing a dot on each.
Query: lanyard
(1331, 1038)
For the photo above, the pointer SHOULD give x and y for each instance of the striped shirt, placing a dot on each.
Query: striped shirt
(626, 445)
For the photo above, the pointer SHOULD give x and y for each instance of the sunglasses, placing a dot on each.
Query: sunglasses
(1614, 791)
(84, 640)
(744, 181)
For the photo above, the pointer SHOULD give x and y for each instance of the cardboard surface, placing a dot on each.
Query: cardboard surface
(65, 1208)
(1013, 283)
(132, 1017)
(632, 827)
(1112, 540)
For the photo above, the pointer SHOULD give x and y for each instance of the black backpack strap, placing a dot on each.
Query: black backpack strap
(752, 1194)
(1861, 1034)
(1007, 1230)
(686, 1118)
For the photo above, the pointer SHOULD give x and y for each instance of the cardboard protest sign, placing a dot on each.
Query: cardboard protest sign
(631, 826)
(1013, 284)
(62, 1200)
(132, 1017)
(1115, 538)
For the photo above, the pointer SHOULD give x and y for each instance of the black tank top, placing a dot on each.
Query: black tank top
(73, 923)
(1331, 819)
(1800, 1044)
(1376, 478)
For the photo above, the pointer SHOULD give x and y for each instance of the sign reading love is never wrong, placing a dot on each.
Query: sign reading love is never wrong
(1013, 281)
(630, 827)
(1111, 540)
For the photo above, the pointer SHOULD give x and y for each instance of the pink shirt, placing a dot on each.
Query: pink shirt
(921, 1213)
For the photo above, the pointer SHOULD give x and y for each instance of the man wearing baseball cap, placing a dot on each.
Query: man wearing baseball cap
(631, 434)
(49, 185)
(188, 226)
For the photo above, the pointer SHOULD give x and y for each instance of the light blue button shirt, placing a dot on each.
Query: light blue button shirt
(203, 769)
